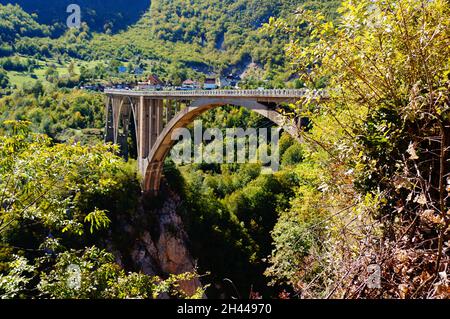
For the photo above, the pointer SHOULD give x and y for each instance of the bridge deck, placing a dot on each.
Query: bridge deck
(253, 94)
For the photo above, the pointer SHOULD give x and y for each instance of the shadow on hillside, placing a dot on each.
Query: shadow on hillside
(101, 16)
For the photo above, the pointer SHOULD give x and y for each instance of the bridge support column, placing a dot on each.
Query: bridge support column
(109, 129)
(169, 108)
(150, 124)
(117, 103)
(156, 124)
(143, 133)
(159, 117)
(118, 117)
(122, 136)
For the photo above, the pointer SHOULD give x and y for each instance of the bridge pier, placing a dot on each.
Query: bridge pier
(125, 118)
(150, 116)
(149, 125)
(109, 130)
(169, 111)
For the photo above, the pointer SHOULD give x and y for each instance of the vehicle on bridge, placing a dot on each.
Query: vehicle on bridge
(94, 87)
(189, 85)
(210, 84)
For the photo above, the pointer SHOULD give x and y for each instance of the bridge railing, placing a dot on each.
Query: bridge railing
(289, 93)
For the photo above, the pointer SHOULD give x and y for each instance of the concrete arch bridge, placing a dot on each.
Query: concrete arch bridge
(156, 114)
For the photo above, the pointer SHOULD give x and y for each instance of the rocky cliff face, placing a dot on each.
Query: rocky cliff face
(157, 243)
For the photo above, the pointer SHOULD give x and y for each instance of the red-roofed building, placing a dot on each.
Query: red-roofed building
(152, 83)
(154, 80)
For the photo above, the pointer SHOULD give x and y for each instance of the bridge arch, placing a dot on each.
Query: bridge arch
(153, 164)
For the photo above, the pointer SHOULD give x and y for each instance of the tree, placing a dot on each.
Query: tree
(37, 89)
(40, 181)
(4, 80)
(51, 74)
(381, 139)
(293, 155)
(98, 277)
(71, 68)
(45, 194)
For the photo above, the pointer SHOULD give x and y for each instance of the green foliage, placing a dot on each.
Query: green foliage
(117, 16)
(18, 277)
(376, 182)
(293, 155)
(299, 229)
(257, 204)
(235, 208)
(171, 39)
(94, 267)
(51, 74)
(4, 80)
(228, 247)
(17, 64)
(98, 277)
(43, 182)
(53, 198)
(368, 185)
(97, 219)
(58, 113)
(15, 23)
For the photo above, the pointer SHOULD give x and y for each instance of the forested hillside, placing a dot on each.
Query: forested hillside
(16, 23)
(177, 39)
(211, 36)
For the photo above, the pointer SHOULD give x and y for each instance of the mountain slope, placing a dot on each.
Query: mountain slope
(207, 33)
(174, 38)
(14, 23)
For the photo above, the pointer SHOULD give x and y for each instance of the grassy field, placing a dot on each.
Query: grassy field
(19, 79)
